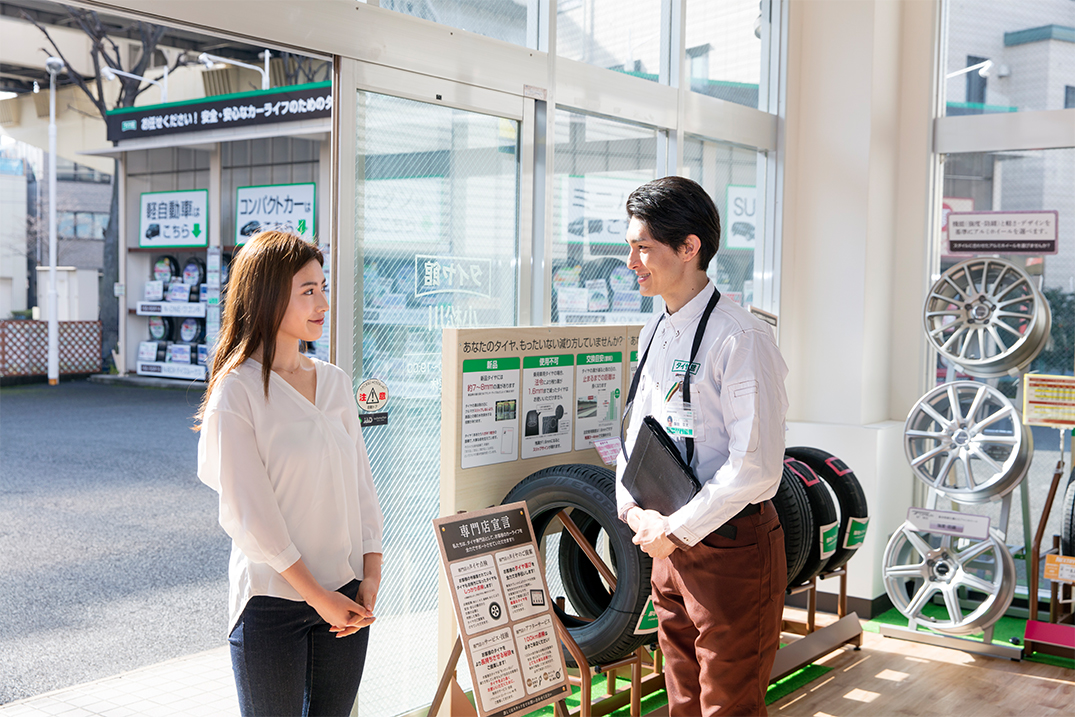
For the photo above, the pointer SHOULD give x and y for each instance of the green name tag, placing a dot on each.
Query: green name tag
(856, 532)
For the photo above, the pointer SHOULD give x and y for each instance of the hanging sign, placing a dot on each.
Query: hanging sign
(503, 610)
(174, 219)
(1003, 232)
(490, 411)
(290, 207)
(243, 109)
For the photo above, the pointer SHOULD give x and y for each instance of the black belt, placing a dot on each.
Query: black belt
(728, 530)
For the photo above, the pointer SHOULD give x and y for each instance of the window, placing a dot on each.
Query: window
(975, 81)
(621, 35)
(1069, 97)
(724, 48)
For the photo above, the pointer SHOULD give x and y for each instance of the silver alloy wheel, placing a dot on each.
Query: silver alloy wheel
(987, 317)
(919, 566)
(966, 440)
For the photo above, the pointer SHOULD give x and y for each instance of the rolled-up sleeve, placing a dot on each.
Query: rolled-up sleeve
(230, 464)
(753, 402)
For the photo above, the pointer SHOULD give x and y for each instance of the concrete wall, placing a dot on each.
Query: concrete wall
(12, 244)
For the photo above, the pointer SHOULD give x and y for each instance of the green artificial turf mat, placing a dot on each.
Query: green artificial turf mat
(1003, 630)
(652, 701)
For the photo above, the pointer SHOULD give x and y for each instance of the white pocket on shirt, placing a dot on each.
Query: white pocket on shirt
(744, 435)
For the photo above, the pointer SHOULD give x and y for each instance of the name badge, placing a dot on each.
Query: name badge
(679, 419)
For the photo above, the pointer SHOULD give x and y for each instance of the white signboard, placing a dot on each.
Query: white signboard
(1003, 232)
(595, 208)
(944, 522)
(1049, 401)
(490, 411)
(291, 207)
(598, 381)
(174, 219)
(740, 217)
(548, 387)
(503, 609)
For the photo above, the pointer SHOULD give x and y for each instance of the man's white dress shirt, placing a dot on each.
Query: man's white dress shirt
(294, 481)
(738, 403)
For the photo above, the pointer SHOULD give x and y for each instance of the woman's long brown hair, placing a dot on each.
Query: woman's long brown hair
(258, 292)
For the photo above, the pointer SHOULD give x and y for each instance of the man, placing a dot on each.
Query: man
(719, 569)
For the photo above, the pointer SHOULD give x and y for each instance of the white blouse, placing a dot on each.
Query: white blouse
(294, 481)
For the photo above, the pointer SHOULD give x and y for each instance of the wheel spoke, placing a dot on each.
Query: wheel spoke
(943, 473)
(961, 293)
(953, 403)
(966, 556)
(960, 331)
(965, 460)
(917, 543)
(1009, 329)
(1003, 412)
(932, 412)
(987, 458)
(951, 601)
(995, 335)
(979, 397)
(921, 598)
(927, 455)
(924, 434)
(997, 440)
(907, 571)
(973, 581)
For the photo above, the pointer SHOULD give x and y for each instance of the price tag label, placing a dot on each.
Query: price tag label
(608, 448)
(943, 522)
(1060, 567)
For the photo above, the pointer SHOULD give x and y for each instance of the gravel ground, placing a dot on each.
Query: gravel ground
(110, 554)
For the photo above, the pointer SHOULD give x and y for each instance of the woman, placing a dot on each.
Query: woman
(281, 444)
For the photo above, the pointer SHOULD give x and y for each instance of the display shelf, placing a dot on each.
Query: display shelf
(171, 370)
(171, 308)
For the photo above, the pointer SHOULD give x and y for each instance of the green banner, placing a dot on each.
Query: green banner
(592, 359)
(507, 363)
(856, 532)
(548, 361)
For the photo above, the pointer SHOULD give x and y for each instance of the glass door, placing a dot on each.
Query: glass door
(436, 245)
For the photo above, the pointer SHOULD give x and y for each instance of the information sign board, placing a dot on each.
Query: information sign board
(503, 610)
(291, 207)
(174, 219)
(1049, 400)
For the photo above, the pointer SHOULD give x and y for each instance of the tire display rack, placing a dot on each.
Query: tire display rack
(966, 442)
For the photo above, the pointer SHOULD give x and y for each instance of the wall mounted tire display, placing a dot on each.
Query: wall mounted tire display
(161, 328)
(1067, 530)
(966, 440)
(192, 330)
(797, 519)
(194, 271)
(823, 510)
(166, 269)
(850, 498)
(918, 566)
(986, 316)
(606, 619)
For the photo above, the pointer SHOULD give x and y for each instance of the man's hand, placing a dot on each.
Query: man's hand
(650, 533)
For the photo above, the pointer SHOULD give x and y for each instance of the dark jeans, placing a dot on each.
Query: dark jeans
(287, 663)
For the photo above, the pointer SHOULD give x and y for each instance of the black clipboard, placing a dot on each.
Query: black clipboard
(656, 476)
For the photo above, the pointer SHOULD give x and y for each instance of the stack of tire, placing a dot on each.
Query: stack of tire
(823, 511)
(819, 497)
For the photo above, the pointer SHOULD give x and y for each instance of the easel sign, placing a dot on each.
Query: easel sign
(502, 606)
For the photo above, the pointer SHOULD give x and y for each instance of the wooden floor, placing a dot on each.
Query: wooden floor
(896, 677)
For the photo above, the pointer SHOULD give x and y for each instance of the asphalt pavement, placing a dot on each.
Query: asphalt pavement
(110, 553)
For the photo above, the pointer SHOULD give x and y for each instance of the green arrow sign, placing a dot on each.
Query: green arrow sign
(197, 230)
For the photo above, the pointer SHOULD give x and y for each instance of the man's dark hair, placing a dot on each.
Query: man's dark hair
(672, 208)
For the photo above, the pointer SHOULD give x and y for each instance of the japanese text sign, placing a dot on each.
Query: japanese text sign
(290, 207)
(174, 219)
(244, 109)
(452, 274)
(1049, 400)
(1003, 232)
(502, 606)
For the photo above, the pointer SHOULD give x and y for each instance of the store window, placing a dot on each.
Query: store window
(1024, 53)
(621, 35)
(436, 222)
(729, 175)
(81, 225)
(598, 163)
(724, 48)
(513, 21)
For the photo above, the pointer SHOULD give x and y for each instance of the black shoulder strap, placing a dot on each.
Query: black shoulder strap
(698, 334)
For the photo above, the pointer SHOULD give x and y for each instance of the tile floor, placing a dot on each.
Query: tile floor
(199, 685)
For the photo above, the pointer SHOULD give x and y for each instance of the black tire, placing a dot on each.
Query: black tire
(1067, 532)
(793, 508)
(849, 496)
(823, 510)
(589, 492)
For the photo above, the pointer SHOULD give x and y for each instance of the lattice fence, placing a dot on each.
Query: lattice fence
(24, 347)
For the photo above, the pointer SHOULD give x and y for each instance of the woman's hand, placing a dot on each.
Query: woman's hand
(345, 616)
(371, 581)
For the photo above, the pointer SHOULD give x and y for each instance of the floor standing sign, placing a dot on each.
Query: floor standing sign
(503, 609)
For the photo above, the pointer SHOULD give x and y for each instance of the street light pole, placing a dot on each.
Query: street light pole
(55, 66)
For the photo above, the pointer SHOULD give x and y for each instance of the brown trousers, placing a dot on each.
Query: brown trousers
(719, 606)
